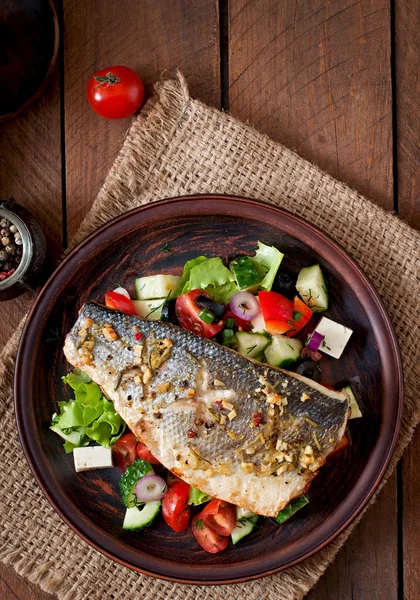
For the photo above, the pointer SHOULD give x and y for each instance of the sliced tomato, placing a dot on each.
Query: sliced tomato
(275, 306)
(342, 445)
(277, 327)
(120, 302)
(302, 314)
(244, 325)
(124, 451)
(329, 387)
(175, 509)
(220, 516)
(207, 538)
(187, 314)
(144, 453)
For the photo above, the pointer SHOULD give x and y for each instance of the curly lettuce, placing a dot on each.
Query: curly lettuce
(88, 417)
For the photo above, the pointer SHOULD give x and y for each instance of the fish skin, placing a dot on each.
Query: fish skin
(177, 409)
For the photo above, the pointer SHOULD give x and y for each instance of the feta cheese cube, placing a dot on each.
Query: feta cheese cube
(335, 335)
(92, 457)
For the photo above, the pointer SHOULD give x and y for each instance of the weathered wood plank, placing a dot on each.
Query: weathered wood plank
(149, 37)
(30, 170)
(407, 58)
(316, 76)
(360, 563)
(13, 587)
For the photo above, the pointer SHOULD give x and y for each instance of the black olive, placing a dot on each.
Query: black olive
(168, 312)
(218, 310)
(285, 283)
(309, 369)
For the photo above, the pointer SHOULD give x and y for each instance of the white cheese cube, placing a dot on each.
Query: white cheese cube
(335, 335)
(92, 457)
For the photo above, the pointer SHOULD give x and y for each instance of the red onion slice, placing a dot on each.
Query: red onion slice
(151, 487)
(315, 341)
(245, 306)
(122, 291)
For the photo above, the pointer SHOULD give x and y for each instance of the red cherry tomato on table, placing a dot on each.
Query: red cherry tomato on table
(220, 516)
(175, 509)
(120, 302)
(115, 92)
(187, 314)
(144, 453)
(207, 538)
(124, 451)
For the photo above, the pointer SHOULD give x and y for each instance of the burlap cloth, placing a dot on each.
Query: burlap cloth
(178, 146)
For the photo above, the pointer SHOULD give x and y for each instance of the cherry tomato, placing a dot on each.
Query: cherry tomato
(144, 453)
(115, 93)
(244, 325)
(187, 314)
(302, 314)
(120, 302)
(207, 538)
(220, 516)
(124, 451)
(175, 509)
(275, 306)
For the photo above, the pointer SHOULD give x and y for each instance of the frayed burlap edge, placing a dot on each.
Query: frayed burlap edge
(159, 126)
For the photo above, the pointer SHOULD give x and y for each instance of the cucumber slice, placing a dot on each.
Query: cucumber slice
(150, 309)
(246, 275)
(137, 518)
(243, 527)
(312, 288)
(156, 286)
(283, 351)
(129, 479)
(243, 513)
(251, 344)
(356, 413)
(292, 508)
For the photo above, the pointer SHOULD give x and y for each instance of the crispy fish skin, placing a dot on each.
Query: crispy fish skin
(239, 430)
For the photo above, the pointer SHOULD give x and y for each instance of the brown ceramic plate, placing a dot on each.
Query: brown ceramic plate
(132, 245)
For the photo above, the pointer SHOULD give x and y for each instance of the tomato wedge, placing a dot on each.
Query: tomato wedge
(124, 451)
(342, 445)
(244, 325)
(187, 314)
(302, 314)
(220, 516)
(207, 538)
(277, 327)
(120, 302)
(175, 509)
(144, 453)
(275, 306)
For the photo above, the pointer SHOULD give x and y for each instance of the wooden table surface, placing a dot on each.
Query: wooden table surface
(337, 80)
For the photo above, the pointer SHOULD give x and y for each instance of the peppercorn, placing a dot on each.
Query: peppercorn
(10, 249)
(5, 240)
(3, 255)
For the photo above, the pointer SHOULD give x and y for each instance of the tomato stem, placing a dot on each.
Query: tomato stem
(108, 78)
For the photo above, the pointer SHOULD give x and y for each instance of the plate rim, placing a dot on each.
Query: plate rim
(386, 321)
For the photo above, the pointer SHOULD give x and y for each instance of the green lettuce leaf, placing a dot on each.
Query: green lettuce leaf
(223, 293)
(209, 273)
(186, 274)
(197, 497)
(88, 417)
(267, 260)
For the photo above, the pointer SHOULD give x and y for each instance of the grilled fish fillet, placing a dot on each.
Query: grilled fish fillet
(236, 429)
